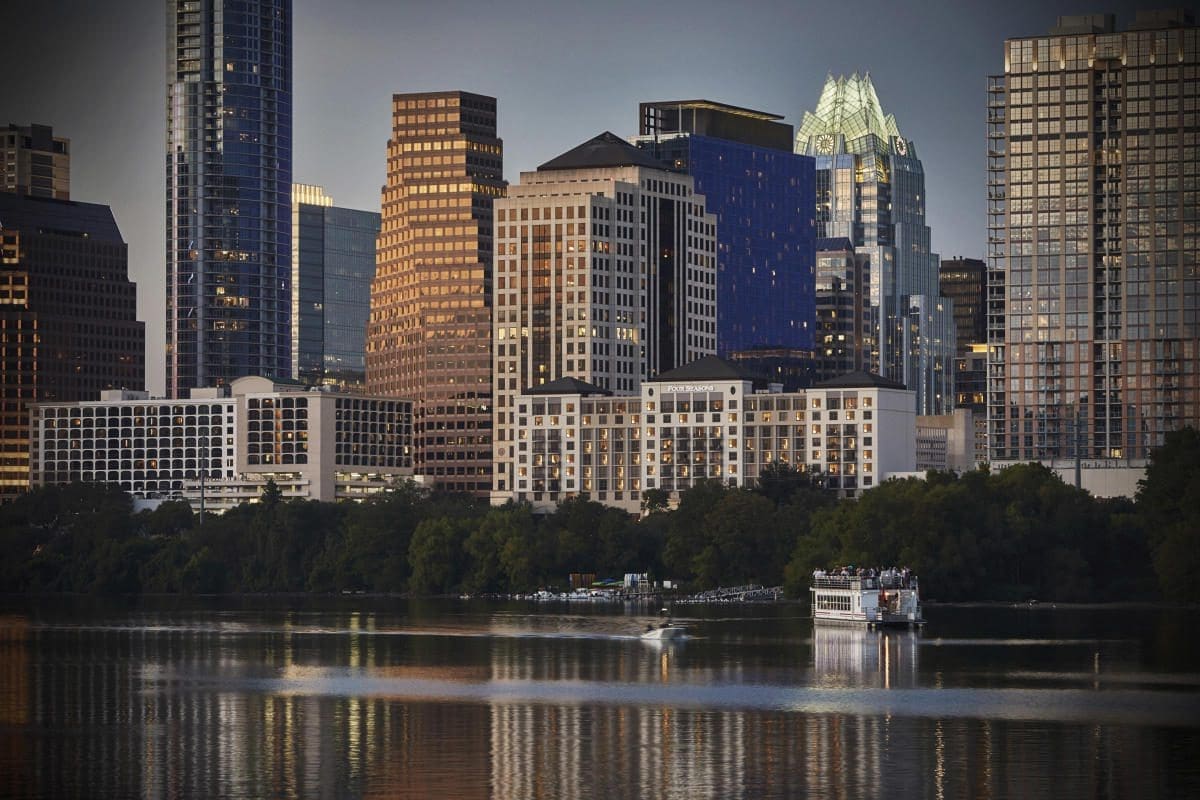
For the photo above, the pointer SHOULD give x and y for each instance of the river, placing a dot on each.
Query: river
(370, 697)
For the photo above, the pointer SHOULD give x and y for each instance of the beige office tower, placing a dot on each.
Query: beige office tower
(430, 329)
(605, 273)
(1093, 245)
(35, 162)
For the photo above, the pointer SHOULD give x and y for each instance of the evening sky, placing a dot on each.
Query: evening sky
(562, 72)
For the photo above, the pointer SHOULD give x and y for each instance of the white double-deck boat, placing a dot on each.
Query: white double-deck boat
(870, 602)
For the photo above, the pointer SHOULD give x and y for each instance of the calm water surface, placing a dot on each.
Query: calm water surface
(375, 698)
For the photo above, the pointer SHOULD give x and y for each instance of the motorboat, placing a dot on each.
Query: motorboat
(664, 631)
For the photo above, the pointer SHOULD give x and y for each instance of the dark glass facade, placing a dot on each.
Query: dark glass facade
(764, 200)
(845, 322)
(68, 319)
(228, 204)
(794, 370)
(964, 280)
(336, 256)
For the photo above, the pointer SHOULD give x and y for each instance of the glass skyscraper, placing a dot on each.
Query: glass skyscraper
(763, 197)
(1093, 252)
(964, 280)
(228, 204)
(843, 310)
(871, 190)
(335, 264)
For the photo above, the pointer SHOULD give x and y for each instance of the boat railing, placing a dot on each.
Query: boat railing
(858, 582)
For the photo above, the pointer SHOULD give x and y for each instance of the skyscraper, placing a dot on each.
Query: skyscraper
(35, 162)
(871, 190)
(68, 317)
(605, 273)
(229, 178)
(430, 330)
(964, 280)
(333, 266)
(1093, 257)
(763, 197)
(302, 194)
(844, 332)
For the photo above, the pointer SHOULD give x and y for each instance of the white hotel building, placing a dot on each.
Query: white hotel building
(706, 420)
(315, 445)
(605, 272)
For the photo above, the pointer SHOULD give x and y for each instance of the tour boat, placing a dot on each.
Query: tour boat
(867, 601)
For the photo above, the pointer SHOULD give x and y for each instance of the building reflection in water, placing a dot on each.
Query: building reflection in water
(191, 711)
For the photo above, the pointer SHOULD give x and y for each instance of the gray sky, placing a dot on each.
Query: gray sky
(562, 72)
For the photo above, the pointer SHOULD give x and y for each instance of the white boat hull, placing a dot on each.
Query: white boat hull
(665, 633)
(862, 621)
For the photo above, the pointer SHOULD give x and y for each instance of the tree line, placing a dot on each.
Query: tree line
(1015, 534)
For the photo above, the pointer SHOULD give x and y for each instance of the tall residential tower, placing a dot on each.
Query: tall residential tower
(871, 190)
(430, 329)
(229, 180)
(1093, 253)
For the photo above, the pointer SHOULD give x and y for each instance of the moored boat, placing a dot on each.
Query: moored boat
(868, 601)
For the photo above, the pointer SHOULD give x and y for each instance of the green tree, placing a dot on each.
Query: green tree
(436, 556)
(779, 482)
(655, 500)
(170, 518)
(1168, 500)
(484, 546)
(376, 538)
(271, 495)
(686, 535)
(204, 574)
(740, 543)
(162, 572)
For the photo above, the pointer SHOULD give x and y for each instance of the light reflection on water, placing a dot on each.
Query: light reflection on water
(503, 702)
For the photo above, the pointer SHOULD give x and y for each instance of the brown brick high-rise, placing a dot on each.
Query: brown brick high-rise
(429, 334)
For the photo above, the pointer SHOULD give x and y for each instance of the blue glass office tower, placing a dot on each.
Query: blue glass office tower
(764, 197)
(336, 264)
(228, 203)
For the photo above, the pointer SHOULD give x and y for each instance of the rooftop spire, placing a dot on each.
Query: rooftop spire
(849, 107)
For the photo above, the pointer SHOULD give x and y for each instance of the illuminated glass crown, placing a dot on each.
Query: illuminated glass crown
(850, 108)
